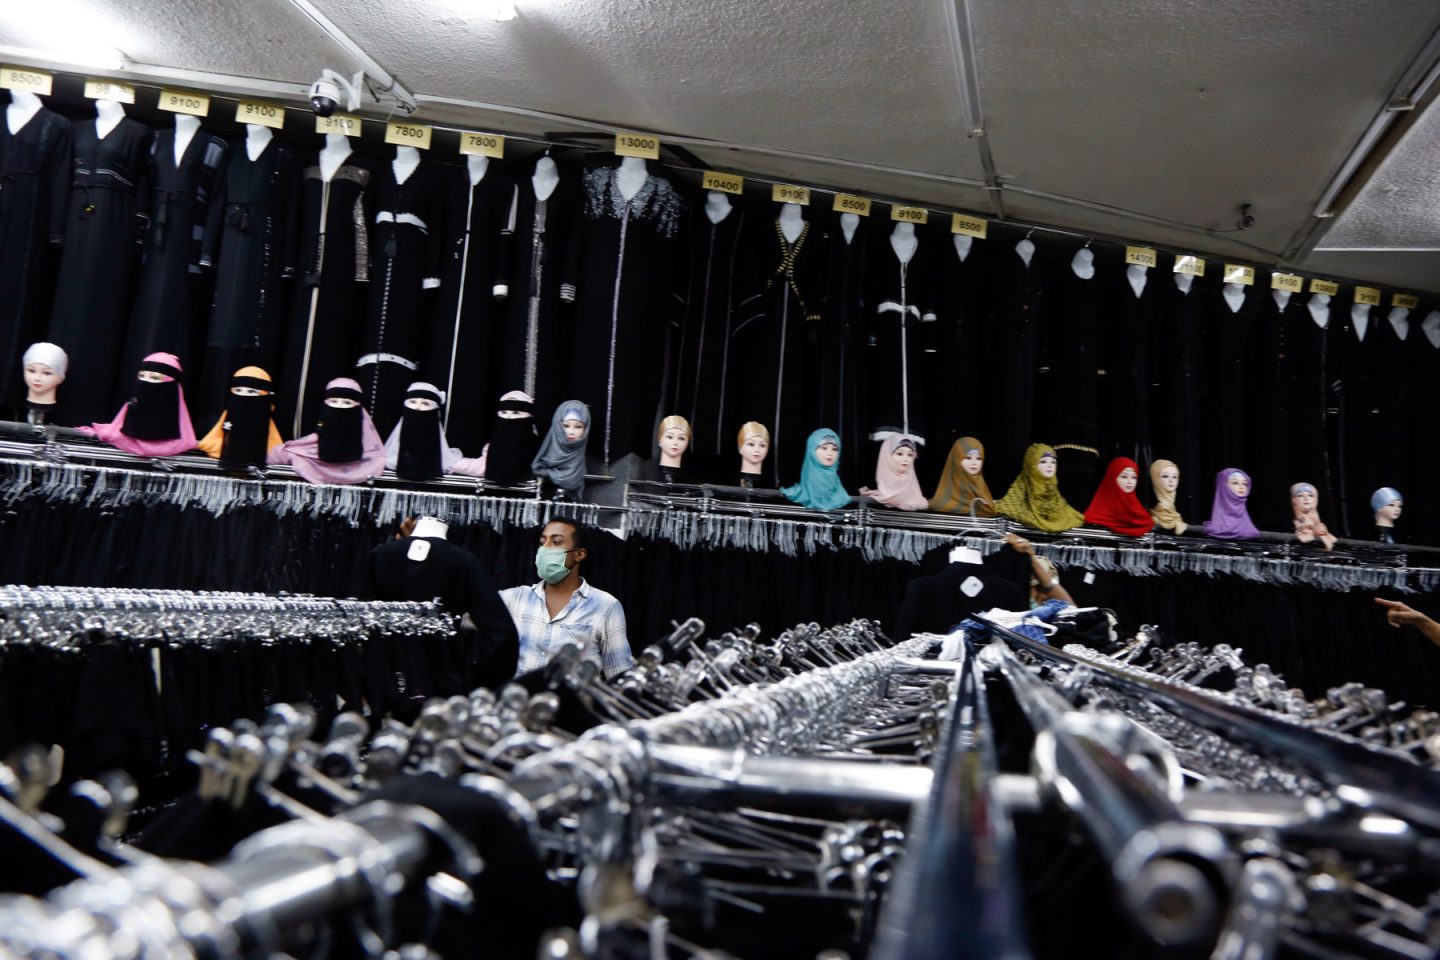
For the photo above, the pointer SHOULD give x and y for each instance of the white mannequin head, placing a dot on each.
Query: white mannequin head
(753, 445)
(1048, 466)
(1127, 480)
(1169, 479)
(902, 458)
(973, 463)
(1238, 484)
(45, 366)
(827, 453)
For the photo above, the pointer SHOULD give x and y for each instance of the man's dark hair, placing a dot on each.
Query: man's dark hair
(577, 532)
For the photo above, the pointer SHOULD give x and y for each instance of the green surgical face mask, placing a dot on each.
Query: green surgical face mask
(550, 564)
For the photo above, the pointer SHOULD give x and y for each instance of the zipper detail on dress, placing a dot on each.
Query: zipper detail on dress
(314, 307)
(380, 336)
(614, 330)
(459, 305)
(904, 351)
(704, 316)
(537, 278)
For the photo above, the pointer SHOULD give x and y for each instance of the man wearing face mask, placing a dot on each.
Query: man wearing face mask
(563, 607)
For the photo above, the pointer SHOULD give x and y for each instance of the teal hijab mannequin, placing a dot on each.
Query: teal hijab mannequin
(819, 487)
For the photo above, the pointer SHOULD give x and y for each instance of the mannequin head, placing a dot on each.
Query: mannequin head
(1047, 465)
(1303, 497)
(974, 461)
(341, 403)
(1387, 505)
(45, 365)
(753, 445)
(421, 403)
(1127, 480)
(827, 453)
(902, 458)
(1238, 483)
(673, 437)
(1168, 479)
(516, 405)
(573, 423)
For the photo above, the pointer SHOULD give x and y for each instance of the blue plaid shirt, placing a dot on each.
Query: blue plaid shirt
(593, 617)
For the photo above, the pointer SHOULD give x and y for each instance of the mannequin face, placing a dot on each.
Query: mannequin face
(41, 377)
(1391, 511)
(826, 454)
(250, 391)
(1238, 485)
(150, 376)
(901, 460)
(341, 403)
(1047, 466)
(973, 463)
(754, 450)
(422, 403)
(513, 415)
(674, 442)
(1127, 481)
(574, 429)
(1304, 500)
(1169, 479)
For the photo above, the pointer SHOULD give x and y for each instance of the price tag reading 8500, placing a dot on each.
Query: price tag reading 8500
(408, 134)
(968, 226)
(482, 145)
(183, 101)
(261, 114)
(849, 203)
(789, 193)
(910, 214)
(641, 145)
(23, 78)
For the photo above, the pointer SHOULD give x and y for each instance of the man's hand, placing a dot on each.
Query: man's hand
(1400, 615)
(407, 527)
(1020, 544)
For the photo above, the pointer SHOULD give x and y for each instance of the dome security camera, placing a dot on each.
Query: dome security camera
(325, 93)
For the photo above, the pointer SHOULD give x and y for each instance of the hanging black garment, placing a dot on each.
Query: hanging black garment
(513, 445)
(838, 344)
(339, 438)
(623, 308)
(1230, 387)
(937, 603)
(172, 295)
(406, 249)
(419, 457)
(534, 347)
(1010, 341)
(1361, 381)
(247, 429)
(102, 245)
(1268, 459)
(719, 287)
(463, 332)
(955, 376)
(1177, 387)
(1069, 378)
(1125, 418)
(35, 172)
(322, 336)
(154, 412)
(900, 309)
(775, 375)
(251, 240)
(1397, 397)
(1422, 504)
(1313, 409)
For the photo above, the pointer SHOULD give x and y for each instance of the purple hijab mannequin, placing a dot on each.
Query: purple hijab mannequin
(1229, 520)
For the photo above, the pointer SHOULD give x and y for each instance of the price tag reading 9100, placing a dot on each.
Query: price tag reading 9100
(1193, 266)
(1368, 295)
(23, 78)
(408, 134)
(1291, 282)
(482, 145)
(262, 114)
(789, 193)
(341, 123)
(1239, 273)
(641, 145)
(910, 214)
(183, 101)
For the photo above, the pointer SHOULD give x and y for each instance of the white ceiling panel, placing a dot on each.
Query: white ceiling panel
(1400, 205)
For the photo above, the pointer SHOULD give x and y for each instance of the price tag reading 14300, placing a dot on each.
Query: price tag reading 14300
(408, 134)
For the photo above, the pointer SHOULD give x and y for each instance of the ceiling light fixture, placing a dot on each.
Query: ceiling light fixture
(501, 9)
(62, 31)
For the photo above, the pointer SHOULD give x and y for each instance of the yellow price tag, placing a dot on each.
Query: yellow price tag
(23, 78)
(789, 193)
(1407, 301)
(341, 123)
(968, 226)
(849, 203)
(183, 101)
(1287, 281)
(109, 90)
(910, 214)
(1328, 287)
(723, 182)
(1238, 273)
(642, 145)
(1370, 295)
(408, 134)
(482, 145)
(1141, 256)
(263, 114)
(1194, 266)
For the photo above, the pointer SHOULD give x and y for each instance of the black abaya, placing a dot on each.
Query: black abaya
(719, 292)
(1010, 346)
(776, 373)
(172, 305)
(463, 332)
(900, 311)
(1230, 403)
(1397, 397)
(1360, 388)
(624, 308)
(1313, 409)
(839, 341)
(1268, 461)
(251, 240)
(1421, 522)
(408, 244)
(1178, 398)
(35, 172)
(109, 197)
(322, 338)
(956, 376)
(1125, 421)
(1068, 384)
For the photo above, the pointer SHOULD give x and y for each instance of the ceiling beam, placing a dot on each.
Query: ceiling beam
(972, 110)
